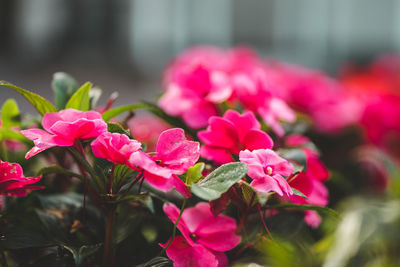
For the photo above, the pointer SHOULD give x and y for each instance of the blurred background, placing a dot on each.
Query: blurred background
(125, 45)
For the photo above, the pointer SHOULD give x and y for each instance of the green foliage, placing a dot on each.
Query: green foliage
(194, 173)
(10, 114)
(295, 155)
(80, 100)
(114, 127)
(60, 170)
(64, 86)
(41, 104)
(293, 206)
(220, 180)
(298, 193)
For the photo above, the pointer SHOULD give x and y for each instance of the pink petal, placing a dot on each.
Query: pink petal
(255, 165)
(266, 185)
(176, 152)
(173, 213)
(256, 139)
(312, 218)
(199, 114)
(195, 215)
(146, 163)
(220, 133)
(243, 123)
(185, 255)
(218, 233)
(220, 156)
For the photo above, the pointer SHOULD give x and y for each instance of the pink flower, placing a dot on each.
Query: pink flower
(267, 169)
(63, 128)
(192, 92)
(231, 134)
(174, 155)
(13, 182)
(204, 237)
(114, 147)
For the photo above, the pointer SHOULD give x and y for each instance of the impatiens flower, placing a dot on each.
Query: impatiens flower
(204, 237)
(13, 182)
(267, 169)
(231, 134)
(174, 155)
(63, 128)
(114, 147)
(192, 92)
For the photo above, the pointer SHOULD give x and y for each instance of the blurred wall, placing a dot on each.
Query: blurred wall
(124, 45)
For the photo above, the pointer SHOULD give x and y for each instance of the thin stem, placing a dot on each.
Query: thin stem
(111, 179)
(3, 259)
(175, 226)
(108, 260)
(138, 177)
(263, 221)
(3, 147)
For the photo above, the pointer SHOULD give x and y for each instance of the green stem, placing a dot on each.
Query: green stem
(111, 179)
(175, 225)
(4, 149)
(3, 259)
(83, 162)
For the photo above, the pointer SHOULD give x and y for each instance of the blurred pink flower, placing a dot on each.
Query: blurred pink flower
(13, 182)
(230, 134)
(174, 155)
(146, 128)
(114, 147)
(204, 237)
(63, 128)
(309, 182)
(192, 92)
(267, 169)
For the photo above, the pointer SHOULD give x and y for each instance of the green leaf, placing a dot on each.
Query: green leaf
(80, 99)
(249, 193)
(319, 209)
(111, 113)
(17, 238)
(156, 262)
(121, 174)
(64, 86)
(193, 174)
(294, 154)
(41, 104)
(58, 169)
(113, 127)
(11, 135)
(298, 193)
(83, 252)
(219, 181)
(10, 114)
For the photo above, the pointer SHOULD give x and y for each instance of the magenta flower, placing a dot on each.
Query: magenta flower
(63, 128)
(204, 237)
(192, 93)
(114, 147)
(231, 134)
(267, 169)
(174, 155)
(13, 182)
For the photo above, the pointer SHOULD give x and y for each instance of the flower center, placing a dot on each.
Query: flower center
(268, 170)
(193, 237)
